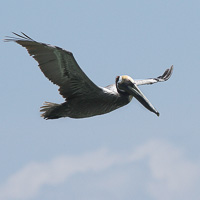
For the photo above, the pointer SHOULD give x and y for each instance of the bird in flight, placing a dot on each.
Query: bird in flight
(83, 98)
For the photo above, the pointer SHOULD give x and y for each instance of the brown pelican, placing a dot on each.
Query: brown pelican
(83, 97)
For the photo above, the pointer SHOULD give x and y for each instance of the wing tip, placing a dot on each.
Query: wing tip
(170, 71)
(18, 37)
(166, 75)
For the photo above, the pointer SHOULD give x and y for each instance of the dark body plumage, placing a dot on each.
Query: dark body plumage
(83, 97)
(76, 108)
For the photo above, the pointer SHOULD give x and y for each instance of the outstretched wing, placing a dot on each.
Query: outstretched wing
(166, 75)
(59, 66)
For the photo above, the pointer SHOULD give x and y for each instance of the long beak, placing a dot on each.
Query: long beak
(136, 92)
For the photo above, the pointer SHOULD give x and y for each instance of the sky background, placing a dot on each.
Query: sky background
(127, 154)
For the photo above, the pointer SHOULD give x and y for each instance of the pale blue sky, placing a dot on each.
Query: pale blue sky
(127, 154)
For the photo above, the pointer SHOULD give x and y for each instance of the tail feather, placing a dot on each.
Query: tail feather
(50, 110)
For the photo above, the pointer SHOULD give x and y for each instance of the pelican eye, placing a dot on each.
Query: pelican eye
(131, 83)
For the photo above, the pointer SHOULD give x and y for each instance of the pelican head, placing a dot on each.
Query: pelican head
(126, 85)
